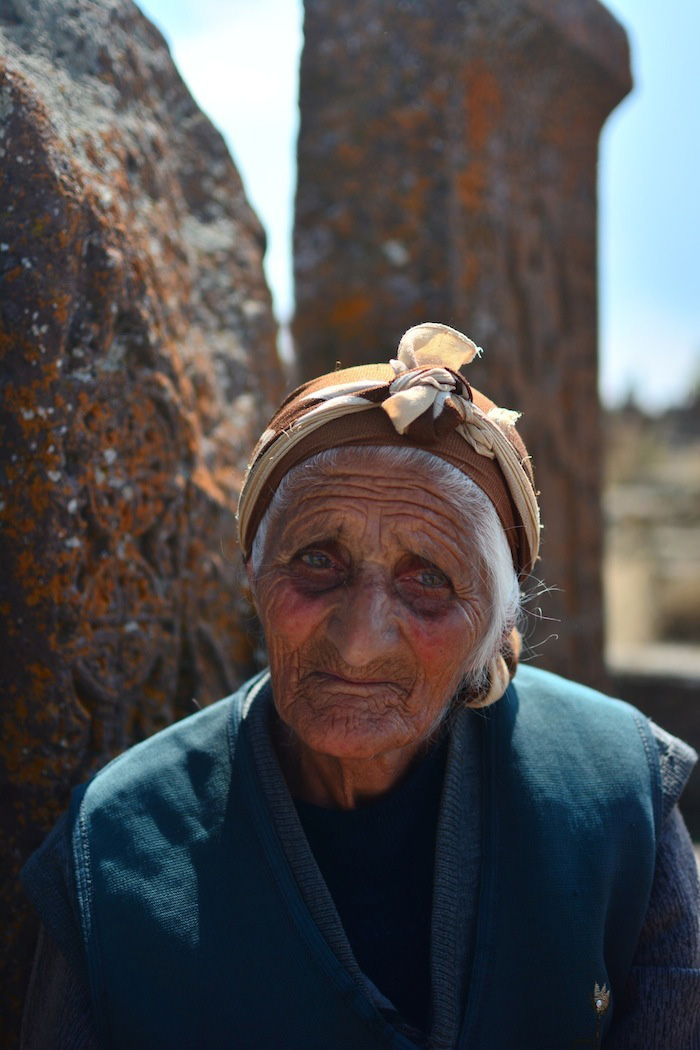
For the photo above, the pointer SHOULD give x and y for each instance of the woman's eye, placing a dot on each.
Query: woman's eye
(317, 570)
(422, 578)
(315, 560)
(432, 579)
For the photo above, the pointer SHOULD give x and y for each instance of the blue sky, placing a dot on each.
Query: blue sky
(240, 60)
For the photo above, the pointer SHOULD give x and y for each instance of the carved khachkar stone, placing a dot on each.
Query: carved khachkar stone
(137, 367)
(447, 172)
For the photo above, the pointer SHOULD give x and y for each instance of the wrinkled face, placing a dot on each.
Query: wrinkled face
(369, 593)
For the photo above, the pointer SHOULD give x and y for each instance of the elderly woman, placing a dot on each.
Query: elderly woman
(390, 838)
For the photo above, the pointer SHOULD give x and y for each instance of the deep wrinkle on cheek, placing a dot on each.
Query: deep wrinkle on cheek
(286, 603)
(292, 617)
(441, 643)
(429, 636)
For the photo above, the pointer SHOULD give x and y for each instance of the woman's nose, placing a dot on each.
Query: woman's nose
(363, 627)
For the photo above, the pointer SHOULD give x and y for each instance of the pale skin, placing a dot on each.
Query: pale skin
(370, 597)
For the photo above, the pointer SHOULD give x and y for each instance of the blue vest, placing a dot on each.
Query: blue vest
(196, 934)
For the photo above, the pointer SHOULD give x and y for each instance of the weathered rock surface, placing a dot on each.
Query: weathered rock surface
(447, 172)
(137, 367)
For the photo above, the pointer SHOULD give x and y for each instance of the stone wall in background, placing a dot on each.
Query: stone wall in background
(447, 172)
(137, 367)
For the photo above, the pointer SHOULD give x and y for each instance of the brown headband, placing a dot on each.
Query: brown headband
(420, 401)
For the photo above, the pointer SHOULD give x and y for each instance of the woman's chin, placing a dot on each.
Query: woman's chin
(344, 735)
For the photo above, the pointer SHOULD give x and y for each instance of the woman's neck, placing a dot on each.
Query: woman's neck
(340, 783)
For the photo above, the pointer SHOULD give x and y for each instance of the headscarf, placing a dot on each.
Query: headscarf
(421, 400)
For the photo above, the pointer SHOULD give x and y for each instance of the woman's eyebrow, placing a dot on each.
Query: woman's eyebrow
(297, 535)
(430, 541)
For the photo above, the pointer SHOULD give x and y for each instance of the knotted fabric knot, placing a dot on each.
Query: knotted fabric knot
(433, 390)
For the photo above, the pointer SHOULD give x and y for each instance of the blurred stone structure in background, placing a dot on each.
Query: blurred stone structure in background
(447, 172)
(652, 506)
(137, 368)
(652, 568)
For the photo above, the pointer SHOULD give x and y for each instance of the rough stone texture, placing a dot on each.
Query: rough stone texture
(137, 367)
(447, 172)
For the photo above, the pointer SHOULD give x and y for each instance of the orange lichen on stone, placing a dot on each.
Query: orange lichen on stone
(471, 185)
(351, 309)
(483, 104)
(470, 270)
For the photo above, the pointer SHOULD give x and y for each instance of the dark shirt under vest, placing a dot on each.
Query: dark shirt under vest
(377, 861)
